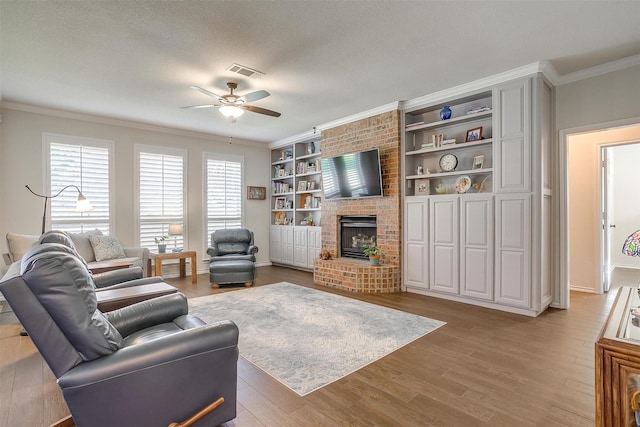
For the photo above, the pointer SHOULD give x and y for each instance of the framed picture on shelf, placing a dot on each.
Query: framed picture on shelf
(302, 185)
(281, 203)
(423, 187)
(474, 134)
(478, 162)
(281, 173)
(256, 193)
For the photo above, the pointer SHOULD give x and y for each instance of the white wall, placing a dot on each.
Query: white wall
(22, 163)
(626, 202)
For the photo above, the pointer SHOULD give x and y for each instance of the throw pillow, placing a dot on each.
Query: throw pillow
(106, 247)
(83, 245)
(19, 244)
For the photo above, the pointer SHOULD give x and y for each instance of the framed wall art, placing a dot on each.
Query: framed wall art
(256, 193)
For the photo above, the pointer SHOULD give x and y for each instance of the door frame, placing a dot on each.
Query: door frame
(561, 297)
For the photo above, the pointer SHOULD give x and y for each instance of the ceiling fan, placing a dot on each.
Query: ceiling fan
(232, 105)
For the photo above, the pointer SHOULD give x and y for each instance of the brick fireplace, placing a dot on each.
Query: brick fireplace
(383, 132)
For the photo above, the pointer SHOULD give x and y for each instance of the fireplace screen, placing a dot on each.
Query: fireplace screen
(356, 232)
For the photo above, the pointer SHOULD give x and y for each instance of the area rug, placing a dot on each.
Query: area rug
(307, 338)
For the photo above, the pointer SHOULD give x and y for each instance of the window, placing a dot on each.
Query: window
(223, 189)
(85, 163)
(161, 194)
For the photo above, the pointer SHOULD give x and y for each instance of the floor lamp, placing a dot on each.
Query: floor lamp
(82, 204)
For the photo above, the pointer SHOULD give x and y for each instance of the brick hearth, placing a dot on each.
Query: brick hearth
(382, 132)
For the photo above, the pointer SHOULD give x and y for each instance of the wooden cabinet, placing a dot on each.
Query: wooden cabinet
(489, 243)
(618, 362)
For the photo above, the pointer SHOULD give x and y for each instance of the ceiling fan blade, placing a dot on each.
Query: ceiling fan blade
(201, 106)
(206, 92)
(260, 110)
(254, 96)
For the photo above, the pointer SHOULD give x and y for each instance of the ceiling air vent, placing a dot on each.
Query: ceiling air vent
(245, 71)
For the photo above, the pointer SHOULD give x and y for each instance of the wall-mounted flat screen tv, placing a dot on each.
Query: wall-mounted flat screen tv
(352, 175)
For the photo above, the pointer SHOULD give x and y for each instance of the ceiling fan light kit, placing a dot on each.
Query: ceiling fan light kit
(231, 111)
(233, 106)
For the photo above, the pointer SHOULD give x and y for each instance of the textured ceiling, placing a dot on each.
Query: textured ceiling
(323, 60)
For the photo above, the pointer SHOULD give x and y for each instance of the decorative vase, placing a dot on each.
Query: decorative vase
(162, 249)
(311, 148)
(445, 113)
(374, 259)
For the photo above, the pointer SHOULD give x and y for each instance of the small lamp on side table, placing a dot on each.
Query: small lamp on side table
(175, 230)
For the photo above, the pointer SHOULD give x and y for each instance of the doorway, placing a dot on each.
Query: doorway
(581, 183)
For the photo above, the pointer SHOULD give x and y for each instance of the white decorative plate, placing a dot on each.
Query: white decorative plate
(463, 183)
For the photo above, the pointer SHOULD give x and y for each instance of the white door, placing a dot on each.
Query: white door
(300, 246)
(314, 243)
(513, 250)
(287, 244)
(476, 246)
(606, 217)
(444, 226)
(415, 243)
(275, 243)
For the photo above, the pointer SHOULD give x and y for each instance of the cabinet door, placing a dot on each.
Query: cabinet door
(314, 244)
(287, 244)
(444, 248)
(512, 137)
(513, 253)
(300, 246)
(275, 243)
(476, 246)
(415, 242)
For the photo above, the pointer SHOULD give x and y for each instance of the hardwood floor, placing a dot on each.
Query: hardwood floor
(484, 368)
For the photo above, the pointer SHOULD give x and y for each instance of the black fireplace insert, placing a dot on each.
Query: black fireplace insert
(356, 232)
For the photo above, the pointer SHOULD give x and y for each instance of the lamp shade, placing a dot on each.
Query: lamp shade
(631, 246)
(175, 229)
(231, 111)
(82, 204)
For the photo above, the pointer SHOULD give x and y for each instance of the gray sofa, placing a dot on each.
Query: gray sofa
(148, 364)
(19, 244)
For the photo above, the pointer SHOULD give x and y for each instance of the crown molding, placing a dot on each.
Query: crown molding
(484, 83)
(28, 108)
(392, 106)
(305, 136)
(598, 70)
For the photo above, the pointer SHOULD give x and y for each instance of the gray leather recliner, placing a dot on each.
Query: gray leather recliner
(233, 257)
(149, 364)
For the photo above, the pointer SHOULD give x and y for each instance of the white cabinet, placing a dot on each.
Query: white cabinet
(296, 246)
(287, 244)
(275, 243)
(300, 246)
(444, 244)
(476, 246)
(513, 254)
(416, 240)
(314, 244)
(490, 244)
(513, 137)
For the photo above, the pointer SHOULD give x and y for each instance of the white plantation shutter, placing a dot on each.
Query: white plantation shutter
(224, 193)
(73, 161)
(161, 197)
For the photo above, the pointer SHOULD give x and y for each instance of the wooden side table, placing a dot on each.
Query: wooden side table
(182, 256)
